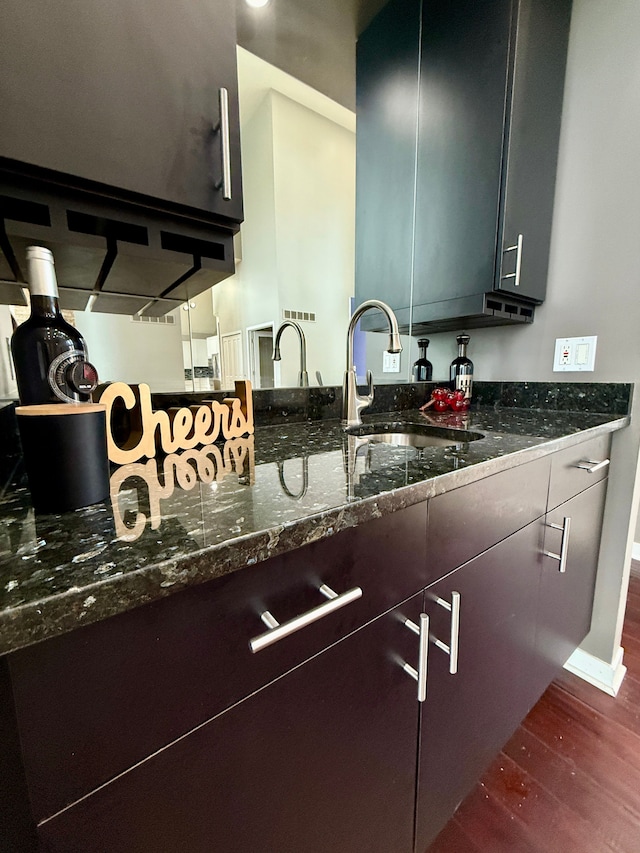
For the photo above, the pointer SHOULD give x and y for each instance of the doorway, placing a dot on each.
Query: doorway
(261, 367)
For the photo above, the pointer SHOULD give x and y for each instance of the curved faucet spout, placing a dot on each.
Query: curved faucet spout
(352, 402)
(394, 336)
(303, 377)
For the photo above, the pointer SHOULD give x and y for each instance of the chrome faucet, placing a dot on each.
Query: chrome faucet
(303, 376)
(352, 402)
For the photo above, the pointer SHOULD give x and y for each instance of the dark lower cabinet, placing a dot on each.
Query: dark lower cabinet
(323, 759)
(567, 589)
(468, 715)
(318, 742)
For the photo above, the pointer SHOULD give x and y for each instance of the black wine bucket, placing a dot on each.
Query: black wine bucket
(65, 454)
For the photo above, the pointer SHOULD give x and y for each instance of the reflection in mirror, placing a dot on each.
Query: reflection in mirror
(297, 264)
(295, 252)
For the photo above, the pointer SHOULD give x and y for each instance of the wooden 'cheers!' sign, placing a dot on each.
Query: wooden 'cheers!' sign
(179, 429)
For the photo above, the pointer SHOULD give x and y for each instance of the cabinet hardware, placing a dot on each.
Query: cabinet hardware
(420, 674)
(277, 631)
(592, 466)
(452, 649)
(518, 250)
(564, 544)
(225, 144)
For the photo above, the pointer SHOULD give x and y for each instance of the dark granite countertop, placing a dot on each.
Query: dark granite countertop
(292, 484)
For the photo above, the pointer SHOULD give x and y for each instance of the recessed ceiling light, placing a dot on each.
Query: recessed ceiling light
(257, 4)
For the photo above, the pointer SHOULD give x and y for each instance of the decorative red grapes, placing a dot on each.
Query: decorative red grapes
(443, 399)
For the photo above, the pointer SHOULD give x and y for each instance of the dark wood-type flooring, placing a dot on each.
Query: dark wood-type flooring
(568, 781)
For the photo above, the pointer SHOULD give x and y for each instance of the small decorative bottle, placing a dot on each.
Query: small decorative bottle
(462, 368)
(422, 368)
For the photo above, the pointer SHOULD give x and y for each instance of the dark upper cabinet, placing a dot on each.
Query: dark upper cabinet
(124, 95)
(120, 148)
(478, 127)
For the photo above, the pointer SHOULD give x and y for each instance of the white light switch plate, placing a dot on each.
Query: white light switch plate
(391, 362)
(575, 354)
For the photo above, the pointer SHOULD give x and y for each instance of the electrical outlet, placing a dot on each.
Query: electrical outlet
(391, 362)
(575, 354)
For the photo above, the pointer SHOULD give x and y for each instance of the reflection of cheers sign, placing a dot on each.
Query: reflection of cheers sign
(177, 429)
(186, 469)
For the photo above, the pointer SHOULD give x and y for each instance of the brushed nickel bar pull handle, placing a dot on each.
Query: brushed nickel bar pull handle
(564, 544)
(455, 632)
(422, 657)
(516, 283)
(592, 466)
(518, 250)
(278, 631)
(420, 674)
(454, 640)
(225, 144)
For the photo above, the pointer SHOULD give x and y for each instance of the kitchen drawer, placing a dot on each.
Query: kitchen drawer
(93, 702)
(466, 521)
(568, 479)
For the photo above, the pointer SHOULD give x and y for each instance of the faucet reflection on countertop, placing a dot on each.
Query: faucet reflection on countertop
(303, 376)
(305, 480)
(352, 402)
(353, 449)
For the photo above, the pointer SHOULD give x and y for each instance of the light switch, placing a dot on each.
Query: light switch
(575, 354)
(582, 354)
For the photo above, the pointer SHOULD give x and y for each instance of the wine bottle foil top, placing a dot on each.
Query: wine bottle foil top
(42, 277)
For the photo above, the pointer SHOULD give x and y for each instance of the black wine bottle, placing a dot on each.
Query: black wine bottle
(422, 367)
(461, 374)
(49, 355)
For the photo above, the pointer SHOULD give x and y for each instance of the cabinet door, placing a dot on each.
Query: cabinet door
(123, 94)
(468, 716)
(323, 759)
(532, 154)
(465, 48)
(566, 597)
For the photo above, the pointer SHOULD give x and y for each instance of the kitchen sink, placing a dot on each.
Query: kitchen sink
(403, 434)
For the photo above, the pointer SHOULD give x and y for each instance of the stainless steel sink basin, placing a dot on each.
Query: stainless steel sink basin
(403, 434)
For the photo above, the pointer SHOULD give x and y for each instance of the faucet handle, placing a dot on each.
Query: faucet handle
(368, 399)
(370, 383)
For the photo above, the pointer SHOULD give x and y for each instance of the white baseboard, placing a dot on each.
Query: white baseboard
(605, 676)
(635, 554)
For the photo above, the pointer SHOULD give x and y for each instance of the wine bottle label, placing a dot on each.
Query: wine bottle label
(464, 381)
